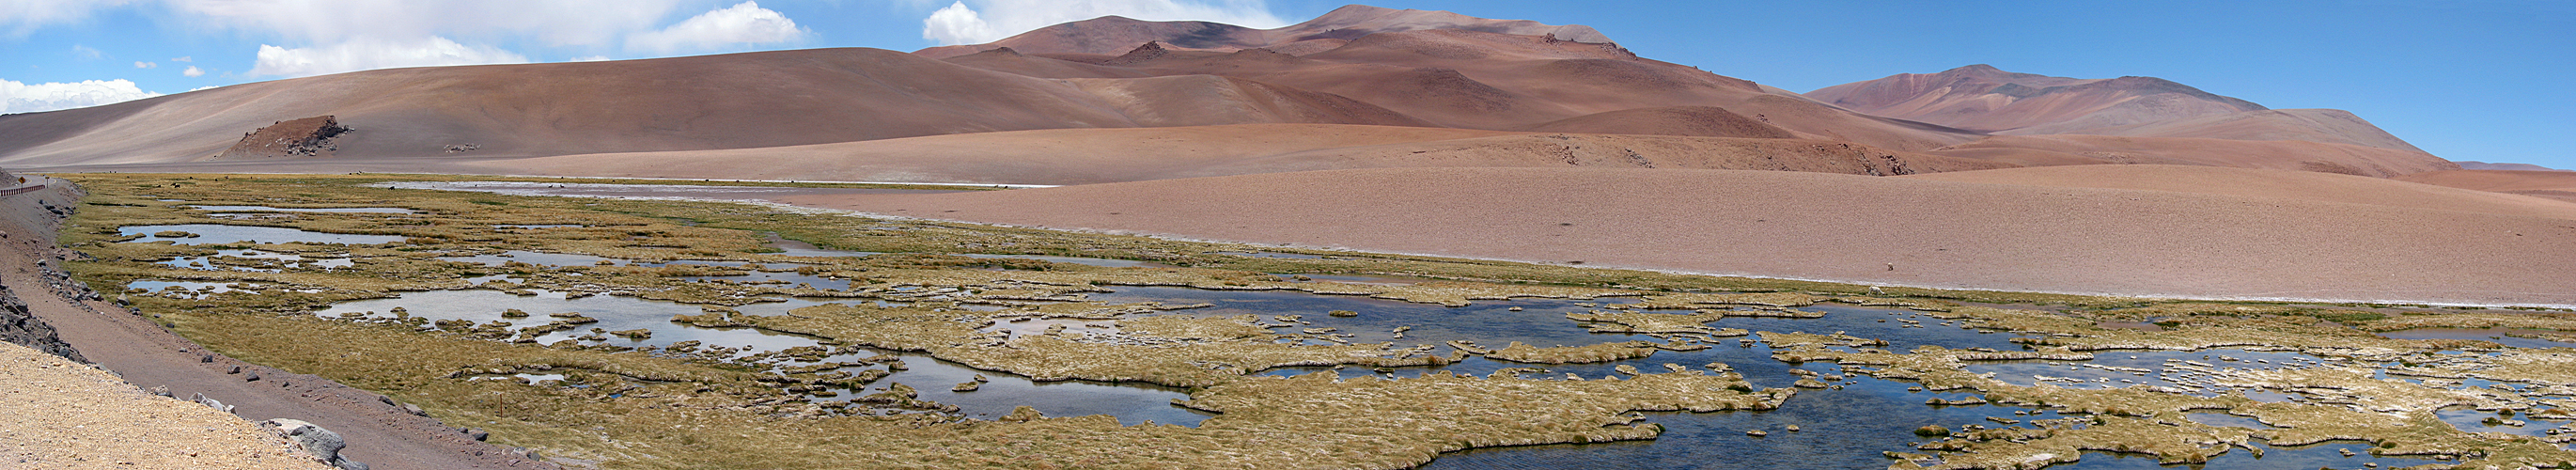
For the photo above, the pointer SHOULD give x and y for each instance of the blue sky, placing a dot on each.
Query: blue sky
(2465, 79)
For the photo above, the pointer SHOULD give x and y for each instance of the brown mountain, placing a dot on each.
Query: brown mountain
(2333, 126)
(2044, 120)
(1357, 66)
(1481, 80)
(1379, 67)
(763, 99)
(1112, 35)
(1983, 98)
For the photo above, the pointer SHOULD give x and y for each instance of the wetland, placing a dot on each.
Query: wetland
(667, 326)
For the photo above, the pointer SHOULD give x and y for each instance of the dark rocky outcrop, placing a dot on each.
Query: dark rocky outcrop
(17, 325)
(308, 137)
(322, 443)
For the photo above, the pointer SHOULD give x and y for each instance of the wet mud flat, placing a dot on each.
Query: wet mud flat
(663, 333)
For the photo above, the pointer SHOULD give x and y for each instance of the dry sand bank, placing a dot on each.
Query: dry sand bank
(1835, 227)
(1085, 156)
(64, 415)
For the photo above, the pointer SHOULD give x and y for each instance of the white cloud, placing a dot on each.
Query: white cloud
(957, 24)
(193, 71)
(86, 52)
(24, 16)
(554, 22)
(184, 59)
(596, 58)
(368, 54)
(990, 20)
(204, 88)
(22, 98)
(745, 23)
(145, 65)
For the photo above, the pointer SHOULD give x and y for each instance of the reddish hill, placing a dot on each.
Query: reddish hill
(763, 99)
(1112, 35)
(2019, 104)
(2333, 126)
(1981, 97)
(1481, 80)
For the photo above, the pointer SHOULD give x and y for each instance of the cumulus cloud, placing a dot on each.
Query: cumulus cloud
(193, 72)
(982, 21)
(369, 54)
(18, 97)
(957, 24)
(741, 24)
(145, 65)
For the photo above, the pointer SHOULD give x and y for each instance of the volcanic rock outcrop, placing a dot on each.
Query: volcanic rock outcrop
(308, 137)
(17, 325)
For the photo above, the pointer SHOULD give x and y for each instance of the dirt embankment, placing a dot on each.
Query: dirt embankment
(378, 432)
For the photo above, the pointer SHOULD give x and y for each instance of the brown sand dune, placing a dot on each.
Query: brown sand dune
(1113, 35)
(2279, 154)
(2333, 126)
(2282, 184)
(1085, 156)
(1983, 98)
(2550, 184)
(1838, 227)
(1699, 121)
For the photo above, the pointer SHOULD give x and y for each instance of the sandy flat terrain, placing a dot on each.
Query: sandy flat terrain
(65, 415)
(2559, 185)
(2273, 154)
(2284, 184)
(1834, 227)
(1084, 156)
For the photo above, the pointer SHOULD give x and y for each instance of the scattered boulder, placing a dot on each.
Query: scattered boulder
(322, 443)
(211, 403)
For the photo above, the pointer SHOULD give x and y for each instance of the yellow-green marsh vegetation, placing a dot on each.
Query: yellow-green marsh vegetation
(642, 398)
